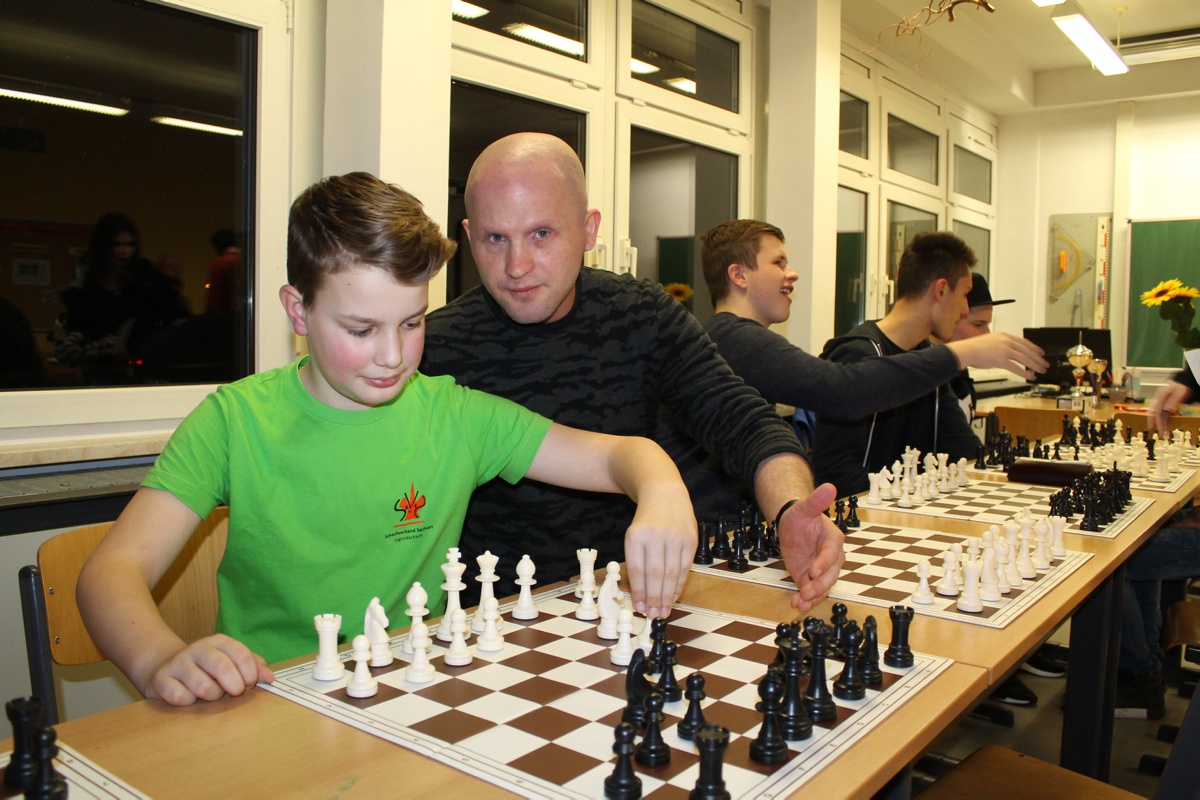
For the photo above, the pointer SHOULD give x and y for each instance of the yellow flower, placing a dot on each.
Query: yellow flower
(1185, 291)
(1164, 291)
(680, 291)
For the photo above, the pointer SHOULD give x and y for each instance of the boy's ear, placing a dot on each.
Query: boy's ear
(737, 275)
(293, 306)
(941, 287)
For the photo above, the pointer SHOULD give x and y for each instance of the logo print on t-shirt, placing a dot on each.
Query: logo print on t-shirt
(411, 505)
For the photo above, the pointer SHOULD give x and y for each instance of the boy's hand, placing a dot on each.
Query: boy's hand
(812, 546)
(207, 669)
(1166, 402)
(659, 547)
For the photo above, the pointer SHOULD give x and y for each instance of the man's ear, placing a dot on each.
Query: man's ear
(736, 273)
(293, 306)
(941, 288)
(466, 223)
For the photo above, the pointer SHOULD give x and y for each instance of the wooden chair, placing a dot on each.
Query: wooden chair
(1032, 423)
(54, 631)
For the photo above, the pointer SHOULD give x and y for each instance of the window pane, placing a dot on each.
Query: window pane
(972, 175)
(677, 190)
(980, 240)
(114, 278)
(556, 25)
(852, 136)
(479, 117)
(851, 298)
(904, 222)
(912, 150)
(677, 54)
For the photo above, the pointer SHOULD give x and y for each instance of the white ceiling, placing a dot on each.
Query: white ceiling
(1005, 61)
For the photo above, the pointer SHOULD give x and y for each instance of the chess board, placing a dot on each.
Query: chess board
(881, 570)
(84, 778)
(1146, 483)
(993, 502)
(537, 717)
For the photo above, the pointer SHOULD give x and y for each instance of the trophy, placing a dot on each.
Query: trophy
(1079, 357)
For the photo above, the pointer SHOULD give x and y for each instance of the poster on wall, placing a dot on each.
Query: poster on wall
(1080, 247)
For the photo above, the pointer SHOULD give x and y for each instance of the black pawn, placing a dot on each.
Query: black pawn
(840, 518)
(852, 519)
(817, 698)
(841, 615)
(658, 651)
(693, 720)
(758, 536)
(899, 654)
(868, 654)
(711, 741)
(704, 555)
(850, 685)
(668, 685)
(623, 783)
(769, 747)
(738, 559)
(47, 783)
(653, 751)
(25, 714)
(720, 547)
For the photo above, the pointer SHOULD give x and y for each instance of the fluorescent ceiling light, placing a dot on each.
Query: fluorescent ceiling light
(63, 102)
(1083, 34)
(175, 122)
(682, 84)
(1161, 47)
(532, 33)
(464, 10)
(641, 67)
(1044, 3)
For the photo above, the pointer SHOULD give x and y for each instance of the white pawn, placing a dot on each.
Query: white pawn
(487, 579)
(1024, 564)
(587, 567)
(905, 500)
(587, 608)
(963, 480)
(922, 595)
(1041, 552)
(328, 667)
(375, 625)
(525, 608)
(970, 600)
(644, 641)
(948, 586)
(609, 602)
(989, 587)
(416, 598)
(957, 549)
(1002, 555)
(419, 670)
(490, 640)
(362, 683)
(453, 569)
(621, 653)
(458, 654)
(1057, 549)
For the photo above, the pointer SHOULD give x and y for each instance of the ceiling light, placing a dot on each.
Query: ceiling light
(1099, 50)
(464, 10)
(1044, 3)
(65, 102)
(682, 84)
(532, 33)
(641, 67)
(176, 122)
(1161, 47)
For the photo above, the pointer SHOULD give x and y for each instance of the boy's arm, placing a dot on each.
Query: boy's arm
(661, 540)
(116, 604)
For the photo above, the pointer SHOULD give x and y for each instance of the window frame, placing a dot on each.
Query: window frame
(918, 117)
(922, 201)
(978, 148)
(857, 80)
(854, 180)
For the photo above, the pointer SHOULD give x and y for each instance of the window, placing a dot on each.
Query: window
(851, 296)
(980, 240)
(683, 57)
(904, 222)
(911, 150)
(554, 25)
(972, 175)
(852, 131)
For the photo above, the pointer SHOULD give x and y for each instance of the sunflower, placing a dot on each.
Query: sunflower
(680, 291)
(1185, 291)
(1164, 291)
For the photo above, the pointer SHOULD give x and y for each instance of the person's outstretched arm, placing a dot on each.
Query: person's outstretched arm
(661, 540)
(121, 616)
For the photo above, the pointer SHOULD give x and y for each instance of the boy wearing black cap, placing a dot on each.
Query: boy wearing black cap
(977, 322)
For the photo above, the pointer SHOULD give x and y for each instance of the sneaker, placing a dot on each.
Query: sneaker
(1015, 693)
(1042, 665)
(1140, 696)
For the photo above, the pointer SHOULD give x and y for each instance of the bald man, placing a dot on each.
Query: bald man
(602, 352)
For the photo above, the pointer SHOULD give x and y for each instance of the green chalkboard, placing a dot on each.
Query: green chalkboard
(1159, 251)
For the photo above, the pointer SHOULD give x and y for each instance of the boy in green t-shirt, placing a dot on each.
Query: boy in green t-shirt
(348, 472)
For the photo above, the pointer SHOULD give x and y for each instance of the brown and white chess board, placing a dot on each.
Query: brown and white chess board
(537, 718)
(84, 778)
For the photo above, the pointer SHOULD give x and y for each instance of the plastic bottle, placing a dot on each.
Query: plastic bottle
(1135, 384)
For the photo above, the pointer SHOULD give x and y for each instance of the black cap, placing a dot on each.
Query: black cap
(979, 294)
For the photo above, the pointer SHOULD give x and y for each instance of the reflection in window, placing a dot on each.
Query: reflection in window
(852, 132)
(679, 55)
(115, 276)
(559, 26)
(677, 190)
(851, 297)
(912, 150)
(980, 240)
(904, 222)
(972, 175)
(479, 117)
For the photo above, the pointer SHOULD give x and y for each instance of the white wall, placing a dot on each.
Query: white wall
(662, 200)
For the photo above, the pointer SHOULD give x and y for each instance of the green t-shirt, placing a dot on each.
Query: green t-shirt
(329, 508)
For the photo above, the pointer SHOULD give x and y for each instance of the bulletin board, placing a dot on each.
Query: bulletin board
(1159, 250)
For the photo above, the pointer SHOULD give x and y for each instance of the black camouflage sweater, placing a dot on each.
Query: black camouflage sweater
(624, 349)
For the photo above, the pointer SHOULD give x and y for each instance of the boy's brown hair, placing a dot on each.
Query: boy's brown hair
(358, 220)
(929, 257)
(733, 242)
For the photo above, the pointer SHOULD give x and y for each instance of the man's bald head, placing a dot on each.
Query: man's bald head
(523, 152)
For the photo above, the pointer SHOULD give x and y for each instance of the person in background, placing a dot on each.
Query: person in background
(223, 273)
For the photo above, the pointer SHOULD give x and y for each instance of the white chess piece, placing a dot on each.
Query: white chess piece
(1041, 551)
(621, 653)
(989, 585)
(375, 625)
(453, 569)
(609, 601)
(1024, 564)
(458, 654)
(1002, 555)
(1057, 549)
(362, 683)
(905, 500)
(874, 498)
(587, 566)
(970, 600)
(416, 598)
(487, 579)
(328, 667)
(420, 669)
(963, 480)
(525, 607)
(490, 640)
(948, 586)
(644, 641)
(922, 595)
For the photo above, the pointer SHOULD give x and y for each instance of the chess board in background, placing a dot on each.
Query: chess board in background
(84, 778)
(993, 502)
(537, 717)
(1146, 483)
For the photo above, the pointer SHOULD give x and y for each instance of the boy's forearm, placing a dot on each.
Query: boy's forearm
(781, 478)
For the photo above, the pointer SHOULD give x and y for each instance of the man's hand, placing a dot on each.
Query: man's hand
(207, 669)
(659, 547)
(812, 546)
(1019, 356)
(1166, 402)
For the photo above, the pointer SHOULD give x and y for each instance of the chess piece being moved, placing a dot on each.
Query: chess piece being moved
(609, 601)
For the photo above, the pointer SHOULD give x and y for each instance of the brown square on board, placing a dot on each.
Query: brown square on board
(877, 529)
(531, 638)
(680, 761)
(697, 659)
(613, 687)
(540, 690)
(927, 552)
(452, 726)
(717, 686)
(535, 662)
(452, 693)
(548, 723)
(861, 578)
(883, 593)
(601, 658)
(868, 550)
(681, 636)
(743, 630)
(758, 653)
(554, 763)
(384, 694)
(738, 719)
(894, 563)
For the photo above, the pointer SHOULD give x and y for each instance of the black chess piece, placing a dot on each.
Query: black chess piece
(738, 560)
(693, 719)
(837, 623)
(721, 547)
(25, 714)
(981, 457)
(657, 654)
(711, 741)
(623, 783)
(852, 519)
(636, 690)
(769, 747)
(704, 555)
(817, 698)
(868, 654)
(899, 654)
(839, 519)
(758, 538)
(850, 684)
(795, 723)
(653, 750)
(668, 685)
(47, 783)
